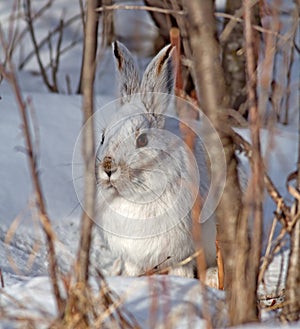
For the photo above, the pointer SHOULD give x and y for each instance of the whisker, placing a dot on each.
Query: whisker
(62, 165)
(77, 178)
(73, 210)
(147, 188)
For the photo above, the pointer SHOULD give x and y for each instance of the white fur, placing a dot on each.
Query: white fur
(144, 192)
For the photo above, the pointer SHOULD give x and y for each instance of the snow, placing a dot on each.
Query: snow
(56, 122)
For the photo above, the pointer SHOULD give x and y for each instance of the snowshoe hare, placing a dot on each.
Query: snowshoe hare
(144, 175)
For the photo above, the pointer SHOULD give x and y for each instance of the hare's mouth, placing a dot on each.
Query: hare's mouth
(106, 184)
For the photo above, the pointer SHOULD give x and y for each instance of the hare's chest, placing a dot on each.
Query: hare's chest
(147, 253)
(117, 208)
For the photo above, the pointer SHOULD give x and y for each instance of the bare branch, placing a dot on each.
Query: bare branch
(57, 55)
(82, 15)
(148, 8)
(256, 182)
(1, 279)
(234, 19)
(32, 159)
(88, 147)
(45, 40)
(284, 216)
(35, 16)
(36, 48)
(291, 311)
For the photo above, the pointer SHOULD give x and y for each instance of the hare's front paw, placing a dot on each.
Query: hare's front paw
(130, 269)
(186, 271)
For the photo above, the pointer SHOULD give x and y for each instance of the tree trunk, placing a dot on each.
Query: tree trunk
(232, 225)
(291, 310)
(233, 60)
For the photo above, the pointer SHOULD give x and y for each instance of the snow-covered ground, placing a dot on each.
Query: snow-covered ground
(57, 122)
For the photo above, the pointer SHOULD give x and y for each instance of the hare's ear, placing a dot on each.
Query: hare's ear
(128, 72)
(159, 77)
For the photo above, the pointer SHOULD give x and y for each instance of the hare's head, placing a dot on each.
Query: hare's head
(138, 159)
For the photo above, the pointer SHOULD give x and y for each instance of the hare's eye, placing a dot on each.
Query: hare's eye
(142, 140)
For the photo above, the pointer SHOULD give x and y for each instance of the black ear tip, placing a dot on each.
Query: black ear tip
(117, 54)
(115, 44)
(115, 47)
(170, 50)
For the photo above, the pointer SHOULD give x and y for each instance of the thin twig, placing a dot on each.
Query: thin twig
(267, 67)
(12, 32)
(234, 19)
(113, 303)
(167, 269)
(270, 186)
(220, 264)
(36, 48)
(64, 50)
(82, 15)
(224, 36)
(45, 40)
(272, 248)
(147, 8)
(1, 279)
(35, 16)
(57, 55)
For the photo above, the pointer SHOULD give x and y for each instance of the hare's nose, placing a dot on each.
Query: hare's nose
(109, 166)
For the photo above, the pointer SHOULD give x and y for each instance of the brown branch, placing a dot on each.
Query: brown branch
(273, 247)
(275, 195)
(175, 41)
(291, 311)
(112, 302)
(1, 279)
(29, 21)
(93, 39)
(256, 182)
(234, 19)
(209, 79)
(233, 61)
(12, 33)
(220, 264)
(45, 40)
(79, 300)
(267, 67)
(45, 221)
(294, 29)
(17, 40)
(210, 86)
(57, 55)
(82, 15)
(88, 147)
(190, 139)
(147, 8)
(225, 34)
(167, 269)
(107, 24)
(64, 50)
